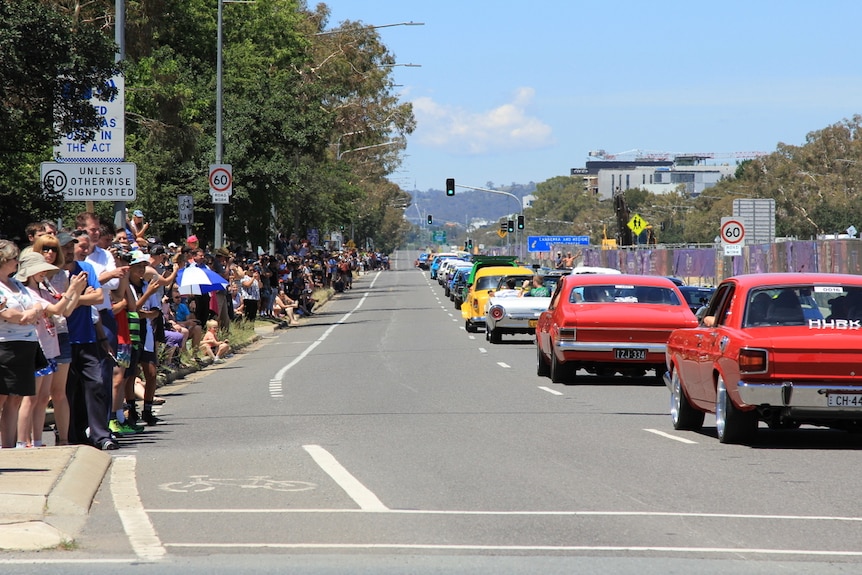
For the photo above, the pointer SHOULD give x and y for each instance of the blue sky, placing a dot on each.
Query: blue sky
(514, 92)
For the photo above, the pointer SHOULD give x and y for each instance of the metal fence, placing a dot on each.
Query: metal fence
(709, 265)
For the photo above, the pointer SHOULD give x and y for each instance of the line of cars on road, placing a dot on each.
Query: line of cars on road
(784, 349)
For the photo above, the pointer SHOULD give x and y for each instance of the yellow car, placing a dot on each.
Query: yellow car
(485, 281)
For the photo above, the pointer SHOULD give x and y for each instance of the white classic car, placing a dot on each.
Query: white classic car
(513, 314)
(512, 311)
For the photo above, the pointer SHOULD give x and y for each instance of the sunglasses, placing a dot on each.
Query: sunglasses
(50, 249)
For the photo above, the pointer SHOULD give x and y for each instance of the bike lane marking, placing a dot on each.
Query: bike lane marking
(127, 501)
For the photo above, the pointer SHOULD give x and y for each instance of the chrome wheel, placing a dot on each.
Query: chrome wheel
(682, 414)
(732, 425)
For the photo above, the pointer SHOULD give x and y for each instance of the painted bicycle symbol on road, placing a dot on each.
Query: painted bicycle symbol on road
(200, 483)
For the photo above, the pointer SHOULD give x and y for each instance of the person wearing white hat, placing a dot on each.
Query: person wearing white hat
(148, 304)
(32, 272)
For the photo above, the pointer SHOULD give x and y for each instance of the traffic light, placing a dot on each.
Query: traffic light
(430, 219)
(510, 226)
(469, 245)
(342, 228)
(520, 222)
(450, 186)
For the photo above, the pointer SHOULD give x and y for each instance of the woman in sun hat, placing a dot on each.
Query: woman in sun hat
(33, 271)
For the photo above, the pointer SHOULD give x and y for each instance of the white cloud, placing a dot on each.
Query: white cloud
(507, 127)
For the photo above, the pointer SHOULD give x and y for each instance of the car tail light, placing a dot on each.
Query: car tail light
(566, 334)
(496, 312)
(753, 360)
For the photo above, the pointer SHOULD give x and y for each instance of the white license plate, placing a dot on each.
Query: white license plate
(844, 400)
(629, 354)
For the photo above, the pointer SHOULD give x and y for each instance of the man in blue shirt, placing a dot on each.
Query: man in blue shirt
(89, 401)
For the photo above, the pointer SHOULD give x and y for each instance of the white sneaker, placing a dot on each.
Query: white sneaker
(218, 360)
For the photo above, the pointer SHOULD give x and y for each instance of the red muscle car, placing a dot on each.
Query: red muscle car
(609, 324)
(785, 349)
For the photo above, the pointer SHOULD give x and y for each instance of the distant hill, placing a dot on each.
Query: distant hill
(466, 206)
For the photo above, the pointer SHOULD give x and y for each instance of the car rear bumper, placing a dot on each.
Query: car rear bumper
(511, 327)
(603, 346)
(799, 397)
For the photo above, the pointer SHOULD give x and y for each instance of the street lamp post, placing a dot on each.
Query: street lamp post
(218, 224)
(520, 210)
(340, 31)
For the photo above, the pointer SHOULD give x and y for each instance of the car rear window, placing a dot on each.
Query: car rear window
(488, 282)
(616, 293)
(797, 305)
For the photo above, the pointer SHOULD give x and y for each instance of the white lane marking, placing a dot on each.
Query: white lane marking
(483, 350)
(549, 390)
(688, 514)
(136, 523)
(504, 365)
(279, 376)
(600, 548)
(64, 561)
(363, 497)
(669, 436)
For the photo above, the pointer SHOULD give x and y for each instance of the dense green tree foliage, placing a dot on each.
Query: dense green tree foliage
(310, 123)
(49, 64)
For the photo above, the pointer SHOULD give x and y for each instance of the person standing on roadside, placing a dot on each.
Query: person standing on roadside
(103, 262)
(51, 248)
(19, 346)
(148, 305)
(32, 272)
(89, 399)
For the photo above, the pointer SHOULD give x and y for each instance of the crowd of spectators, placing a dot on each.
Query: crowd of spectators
(90, 314)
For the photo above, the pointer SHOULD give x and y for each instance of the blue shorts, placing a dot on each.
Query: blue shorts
(65, 349)
(52, 367)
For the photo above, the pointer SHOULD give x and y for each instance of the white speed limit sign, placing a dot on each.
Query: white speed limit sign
(732, 231)
(221, 179)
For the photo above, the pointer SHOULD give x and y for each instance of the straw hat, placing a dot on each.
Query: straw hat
(31, 263)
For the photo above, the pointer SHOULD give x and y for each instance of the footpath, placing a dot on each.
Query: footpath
(46, 492)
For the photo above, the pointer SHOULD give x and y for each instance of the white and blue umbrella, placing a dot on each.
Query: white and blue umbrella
(196, 281)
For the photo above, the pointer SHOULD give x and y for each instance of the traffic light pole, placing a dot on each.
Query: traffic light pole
(513, 196)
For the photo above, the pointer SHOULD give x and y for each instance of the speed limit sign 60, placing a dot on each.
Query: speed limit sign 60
(732, 231)
(221, 179)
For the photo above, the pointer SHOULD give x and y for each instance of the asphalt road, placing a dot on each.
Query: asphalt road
(380, 437)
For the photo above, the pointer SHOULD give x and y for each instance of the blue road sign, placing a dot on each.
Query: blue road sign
(546, 243)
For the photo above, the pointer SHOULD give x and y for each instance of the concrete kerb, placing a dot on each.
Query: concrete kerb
(46, 494)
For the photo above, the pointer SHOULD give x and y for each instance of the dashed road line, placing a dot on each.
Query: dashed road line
(669, 436)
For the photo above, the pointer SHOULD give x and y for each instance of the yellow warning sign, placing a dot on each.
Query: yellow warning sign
(502, 233)
(637, 224)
